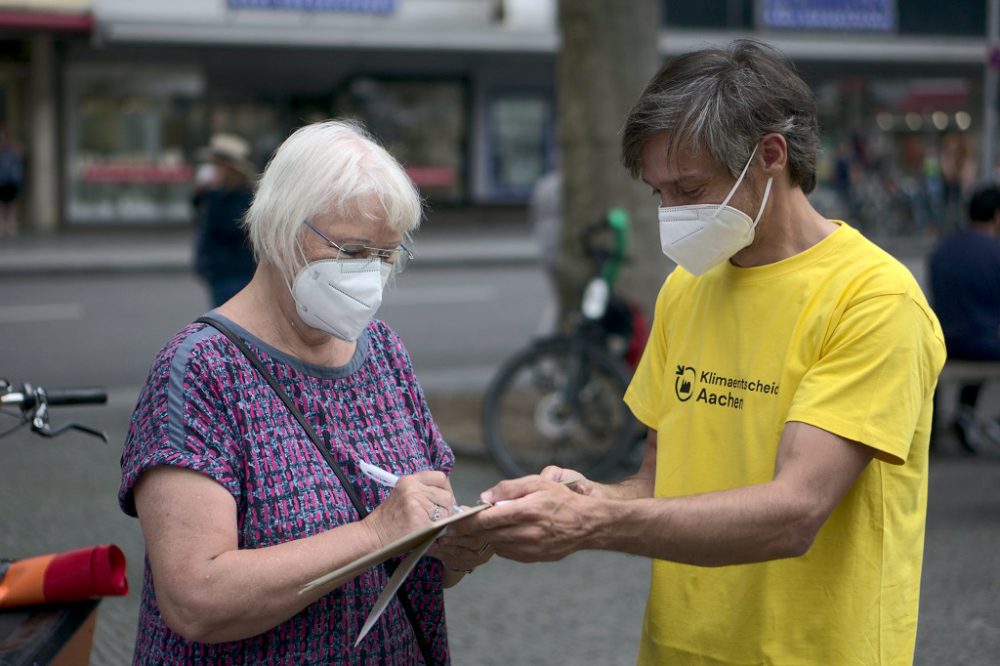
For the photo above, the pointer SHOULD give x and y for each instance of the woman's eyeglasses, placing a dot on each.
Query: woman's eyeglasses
(398, 257)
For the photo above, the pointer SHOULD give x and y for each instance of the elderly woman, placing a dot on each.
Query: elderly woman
(238, 506)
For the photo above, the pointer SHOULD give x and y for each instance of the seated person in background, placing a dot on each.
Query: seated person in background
(965, 292)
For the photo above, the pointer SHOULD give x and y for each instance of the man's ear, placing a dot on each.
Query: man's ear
(774, 153)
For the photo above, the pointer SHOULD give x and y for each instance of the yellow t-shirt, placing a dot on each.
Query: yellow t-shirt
(840, 337)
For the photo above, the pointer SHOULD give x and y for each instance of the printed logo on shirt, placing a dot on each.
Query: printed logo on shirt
(684, 382)
(712, 388)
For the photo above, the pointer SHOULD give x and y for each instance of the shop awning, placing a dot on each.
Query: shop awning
(48, 21)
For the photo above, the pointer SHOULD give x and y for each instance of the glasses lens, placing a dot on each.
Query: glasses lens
(401, 259)
(352, 251)
(397, 258)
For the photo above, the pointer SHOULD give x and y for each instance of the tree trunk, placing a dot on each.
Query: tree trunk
(609, 52)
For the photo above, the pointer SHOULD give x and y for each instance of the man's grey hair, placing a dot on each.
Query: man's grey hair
(333, 167)
(725, 101)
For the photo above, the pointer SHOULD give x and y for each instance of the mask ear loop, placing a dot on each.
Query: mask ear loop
(763, 203)
(738, 180)
(300, 251)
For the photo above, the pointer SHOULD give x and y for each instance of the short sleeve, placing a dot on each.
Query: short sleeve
(875, 375)
(181, 420)
(645, 392)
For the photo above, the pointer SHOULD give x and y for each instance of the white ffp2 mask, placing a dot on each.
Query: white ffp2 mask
(340, 296)
(700, 236)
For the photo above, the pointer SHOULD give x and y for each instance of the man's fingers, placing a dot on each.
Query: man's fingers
(553, 473)
(501, 516)
(512, 489)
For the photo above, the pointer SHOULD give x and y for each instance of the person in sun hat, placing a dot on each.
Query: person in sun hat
(223, 191)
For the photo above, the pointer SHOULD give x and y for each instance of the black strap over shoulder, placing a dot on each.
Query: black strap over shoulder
(425, 648)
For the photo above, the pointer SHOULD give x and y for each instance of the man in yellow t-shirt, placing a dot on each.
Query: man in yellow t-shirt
(787, 385)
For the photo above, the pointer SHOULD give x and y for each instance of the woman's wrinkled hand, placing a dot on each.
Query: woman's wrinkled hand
(461, 552)
(416, 501)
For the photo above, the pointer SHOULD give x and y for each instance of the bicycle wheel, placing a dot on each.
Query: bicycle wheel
(559, 402)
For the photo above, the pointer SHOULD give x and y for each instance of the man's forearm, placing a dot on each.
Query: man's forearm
(743, 525)
(638, 486)
(634, 487)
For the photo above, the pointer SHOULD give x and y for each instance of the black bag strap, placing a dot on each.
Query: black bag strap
(425, 648)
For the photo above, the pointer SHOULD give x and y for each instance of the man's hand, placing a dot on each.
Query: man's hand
(534, 519)
(572, 479)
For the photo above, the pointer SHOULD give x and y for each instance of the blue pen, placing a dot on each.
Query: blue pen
(386, 478)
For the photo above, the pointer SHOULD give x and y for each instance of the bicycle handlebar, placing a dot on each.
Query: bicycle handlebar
(77, 396)
(34, 403)
(28, 396)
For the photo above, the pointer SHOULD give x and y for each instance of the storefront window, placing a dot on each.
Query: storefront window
(132, 134)
(519, 133)
(258, 122)
(900, 156)
(422, 123)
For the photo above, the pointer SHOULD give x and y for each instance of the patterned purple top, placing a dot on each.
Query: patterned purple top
(204, 407)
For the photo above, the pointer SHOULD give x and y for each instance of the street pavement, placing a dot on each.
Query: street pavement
(60, 494)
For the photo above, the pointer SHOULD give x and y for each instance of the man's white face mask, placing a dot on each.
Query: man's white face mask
(340, 296)
(701, 236)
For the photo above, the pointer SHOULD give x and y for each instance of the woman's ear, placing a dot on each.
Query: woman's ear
(774, 153)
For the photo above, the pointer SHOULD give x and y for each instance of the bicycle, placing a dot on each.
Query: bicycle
(559, 400)
(50, 601)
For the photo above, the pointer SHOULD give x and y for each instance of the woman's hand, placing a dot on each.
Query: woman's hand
(461, 553)
(417, 500)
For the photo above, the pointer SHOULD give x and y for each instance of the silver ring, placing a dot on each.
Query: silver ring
(437, 514)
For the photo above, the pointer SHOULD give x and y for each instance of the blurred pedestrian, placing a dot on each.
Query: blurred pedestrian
(223, 192)
(545, 212)
(787, 385)
(964, 272)
(11, 181)
(239, 503)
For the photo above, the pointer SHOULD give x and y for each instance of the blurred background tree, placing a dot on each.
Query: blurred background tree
(609, 51)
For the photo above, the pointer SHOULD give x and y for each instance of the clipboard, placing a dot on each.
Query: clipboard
(405, 543)
(416, 543)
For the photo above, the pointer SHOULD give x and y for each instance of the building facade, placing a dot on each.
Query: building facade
(460, 90)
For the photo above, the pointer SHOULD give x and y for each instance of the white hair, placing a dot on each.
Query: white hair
(332, 167)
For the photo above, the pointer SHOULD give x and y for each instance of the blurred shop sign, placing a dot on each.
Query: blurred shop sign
(48, 5)
(358, 6)
(431, 176)
(925, 96)
(124, 172)
(874, 15)
(55, 15)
